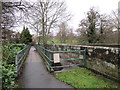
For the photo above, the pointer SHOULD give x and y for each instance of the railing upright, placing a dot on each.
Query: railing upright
(47, 55)
(20, 57)
(50, 56)
(85, 63)
(16, 62)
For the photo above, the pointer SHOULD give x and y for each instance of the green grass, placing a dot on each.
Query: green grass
(83, 78)
(58, 42)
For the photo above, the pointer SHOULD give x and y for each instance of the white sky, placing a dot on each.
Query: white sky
(78, 9)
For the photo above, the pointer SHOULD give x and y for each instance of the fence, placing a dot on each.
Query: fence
(53, 59)
(103, 60)
(20, 57)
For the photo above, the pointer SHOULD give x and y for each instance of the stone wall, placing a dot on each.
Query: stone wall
(102, 59)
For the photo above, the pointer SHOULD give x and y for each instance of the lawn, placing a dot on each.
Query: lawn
(83, 78)
(58, 42)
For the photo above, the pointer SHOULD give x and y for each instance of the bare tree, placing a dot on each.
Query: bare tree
(115, 19)
(9, 17)
(48, 15)
(81, 35)
(115, 23)
(70, 35)
(89, 24)
(62, 35)
(95, 28)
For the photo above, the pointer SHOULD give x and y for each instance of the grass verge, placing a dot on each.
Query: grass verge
(83, 78)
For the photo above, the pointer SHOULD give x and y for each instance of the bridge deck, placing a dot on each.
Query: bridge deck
(35, 74)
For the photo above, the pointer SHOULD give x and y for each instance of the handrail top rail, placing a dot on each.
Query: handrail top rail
(21, 50)
(61, 51)
(67, 51)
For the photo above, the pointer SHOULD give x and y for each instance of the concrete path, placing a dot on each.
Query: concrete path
(35, 74)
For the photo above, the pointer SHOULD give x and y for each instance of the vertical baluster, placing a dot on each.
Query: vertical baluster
(50, 62)
(16, 62)
(85, 63)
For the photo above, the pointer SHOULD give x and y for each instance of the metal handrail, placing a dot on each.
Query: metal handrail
(49, 59)
(20, 58)
(62, 51)
(42, 51)
(67, 51)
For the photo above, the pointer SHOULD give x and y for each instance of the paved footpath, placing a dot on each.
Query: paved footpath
(35, 74)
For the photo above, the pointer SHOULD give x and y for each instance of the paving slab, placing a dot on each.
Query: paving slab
(35, 74)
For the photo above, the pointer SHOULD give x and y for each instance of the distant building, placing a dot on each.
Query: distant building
(7, 35)
(17, 35)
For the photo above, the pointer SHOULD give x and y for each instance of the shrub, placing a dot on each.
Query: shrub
(9, 52)
(8, 75)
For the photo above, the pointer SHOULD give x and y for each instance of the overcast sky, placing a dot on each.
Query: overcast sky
(78, 9)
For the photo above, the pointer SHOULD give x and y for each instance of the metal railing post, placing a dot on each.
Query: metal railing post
(50, 56)
(20, 57)
(85, 63)
(16, 62)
